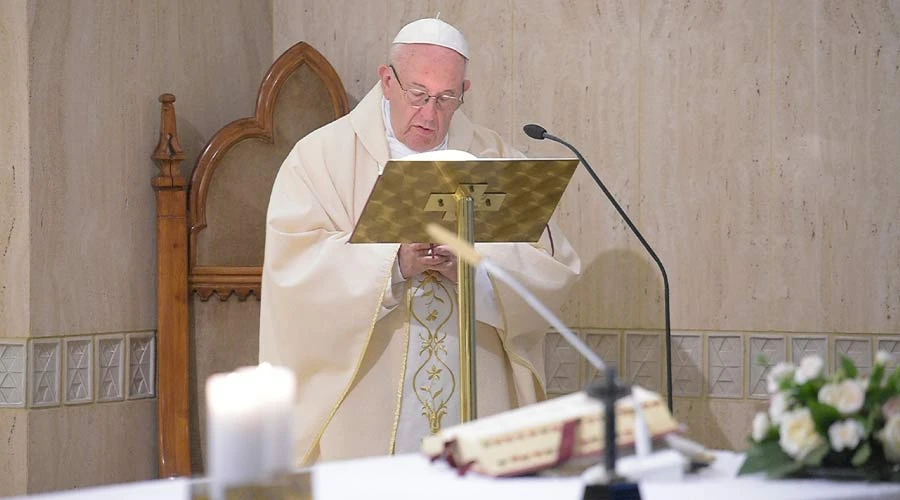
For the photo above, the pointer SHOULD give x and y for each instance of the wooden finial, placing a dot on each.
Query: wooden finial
(168, 152)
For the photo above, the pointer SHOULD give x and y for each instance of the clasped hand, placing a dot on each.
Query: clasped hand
(415, 258)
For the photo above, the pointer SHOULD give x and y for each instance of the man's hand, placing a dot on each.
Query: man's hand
(447, 267)
(415, 258)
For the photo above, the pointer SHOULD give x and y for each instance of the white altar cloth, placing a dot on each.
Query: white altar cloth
(414, 477)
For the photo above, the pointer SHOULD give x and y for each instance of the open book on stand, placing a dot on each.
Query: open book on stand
(544, 435)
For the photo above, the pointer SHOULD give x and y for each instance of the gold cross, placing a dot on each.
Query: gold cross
(446, 202)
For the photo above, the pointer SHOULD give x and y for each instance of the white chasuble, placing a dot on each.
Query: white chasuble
(430, 399)
(359, 372)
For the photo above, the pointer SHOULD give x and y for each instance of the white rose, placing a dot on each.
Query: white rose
(810, 368)
(848, 396)
(883, 358)
(891, 407)
(890, 439)
(798, 433)
(777, 406)
(863, 382)
(761, 426)
(778, 373)
(845, 435)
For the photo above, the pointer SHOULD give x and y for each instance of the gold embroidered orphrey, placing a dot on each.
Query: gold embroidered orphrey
(433, 381)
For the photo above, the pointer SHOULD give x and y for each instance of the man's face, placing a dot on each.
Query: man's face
(430, 68)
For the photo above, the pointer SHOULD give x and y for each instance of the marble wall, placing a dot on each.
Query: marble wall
(77, 227)
(14, 240)
(754, 144)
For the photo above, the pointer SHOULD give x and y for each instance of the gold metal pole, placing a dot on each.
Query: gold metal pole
(465, 220)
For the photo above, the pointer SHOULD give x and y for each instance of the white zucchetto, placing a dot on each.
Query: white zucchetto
(432, 31)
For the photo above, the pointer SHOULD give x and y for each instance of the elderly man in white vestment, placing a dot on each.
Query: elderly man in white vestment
(371, 330)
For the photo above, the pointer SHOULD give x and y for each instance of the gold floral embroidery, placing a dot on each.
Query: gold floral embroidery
(433, 381)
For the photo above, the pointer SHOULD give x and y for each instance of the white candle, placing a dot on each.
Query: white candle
(233, 430)
(249, 425)
(276, 397)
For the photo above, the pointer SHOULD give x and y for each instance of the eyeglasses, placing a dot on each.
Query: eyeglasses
(418, 98)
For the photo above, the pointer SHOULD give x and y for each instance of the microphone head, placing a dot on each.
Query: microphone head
(535, 131)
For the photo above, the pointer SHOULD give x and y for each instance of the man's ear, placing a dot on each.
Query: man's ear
(384, 75)
(466, 85)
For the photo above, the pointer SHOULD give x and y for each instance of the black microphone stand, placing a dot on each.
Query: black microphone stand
(615, 487)
(538, 132)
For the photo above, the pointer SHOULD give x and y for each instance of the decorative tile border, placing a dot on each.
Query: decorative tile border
(141, 365)
(44, 372)
(643, 360)
(79, 370)
(110, 367)
(687, 364)
(12, 374)
(725, 366)
(763, 352)
(47, 372)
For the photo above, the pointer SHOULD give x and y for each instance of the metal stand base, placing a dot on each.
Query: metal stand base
(614, 491)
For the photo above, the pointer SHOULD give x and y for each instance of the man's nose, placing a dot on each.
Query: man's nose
(430, 109)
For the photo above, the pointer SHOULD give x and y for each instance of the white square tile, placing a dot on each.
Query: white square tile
(809, 345)
(859, 350)
(643, 360)
(764, 352)
(12, 373)
(44, 371)
(891, 345)
(725, 366)
(141, 365)
(79, 370)
(687, 364)
(562, 363)
(110, 367)
(605, 344)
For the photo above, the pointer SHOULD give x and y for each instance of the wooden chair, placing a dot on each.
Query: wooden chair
(210, 238)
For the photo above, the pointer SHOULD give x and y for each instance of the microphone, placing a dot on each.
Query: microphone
(540, 133)
(535, 131)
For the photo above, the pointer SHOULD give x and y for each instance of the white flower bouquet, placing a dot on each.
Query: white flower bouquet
(838, 426)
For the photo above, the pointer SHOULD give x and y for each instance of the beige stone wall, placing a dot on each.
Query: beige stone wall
(95, 121)
(14, 241)
(754, 144)
(77, 249)
(14, 171)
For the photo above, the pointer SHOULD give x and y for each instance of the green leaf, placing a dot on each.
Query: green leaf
(764, 456)
(893, 381)
(848, 366)
(862, 455)
(823, 415)
(784, 470)
(876, 376)
(870, 421)
(816, 456)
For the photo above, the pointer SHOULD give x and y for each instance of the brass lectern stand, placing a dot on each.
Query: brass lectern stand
(500, 200)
